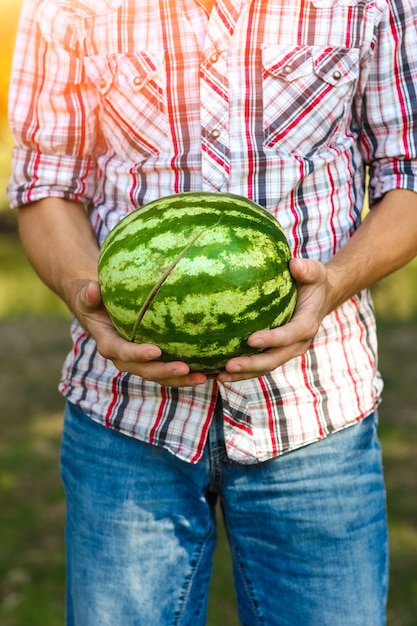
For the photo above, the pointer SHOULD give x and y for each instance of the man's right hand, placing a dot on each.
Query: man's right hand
(62, 247)
(139, 359)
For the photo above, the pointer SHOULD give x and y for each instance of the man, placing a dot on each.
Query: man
(114, 103)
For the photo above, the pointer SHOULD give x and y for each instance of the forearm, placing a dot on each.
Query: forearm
(385, 242)
(60, 244)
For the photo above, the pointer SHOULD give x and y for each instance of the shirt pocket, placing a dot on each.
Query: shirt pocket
(131, 91)
(306, 93)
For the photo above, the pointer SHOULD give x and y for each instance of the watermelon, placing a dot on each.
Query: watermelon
(196, 273)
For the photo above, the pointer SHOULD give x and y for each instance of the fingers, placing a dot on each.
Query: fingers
(243, 368)
(279, 345)
(299, 330)
(138, 359)
(143, 360)
(286, 342)
(174, 374)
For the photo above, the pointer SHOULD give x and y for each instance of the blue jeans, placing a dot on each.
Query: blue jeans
(307, 530)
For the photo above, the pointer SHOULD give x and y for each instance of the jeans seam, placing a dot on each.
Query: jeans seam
(248, 586)
(194, 566)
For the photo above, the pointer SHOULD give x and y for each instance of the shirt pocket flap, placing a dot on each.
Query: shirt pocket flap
(127, 71)
(98, 72)
(132, 71)
(336, 65)
(286, 63)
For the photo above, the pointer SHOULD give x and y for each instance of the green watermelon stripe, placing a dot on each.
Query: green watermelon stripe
(258, 216)
(168, 315)
(197, 273)
(165, 275)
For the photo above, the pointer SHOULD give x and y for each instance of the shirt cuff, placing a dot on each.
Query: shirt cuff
(37, 175)
(389, 174)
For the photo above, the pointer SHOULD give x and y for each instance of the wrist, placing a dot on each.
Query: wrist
(336, 288)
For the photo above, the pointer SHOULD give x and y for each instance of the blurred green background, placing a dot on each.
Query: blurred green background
(34, 338)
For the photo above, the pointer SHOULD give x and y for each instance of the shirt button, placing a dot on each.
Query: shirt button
(287, 69)
(337, 75)
(215, 133)
(137, 81)
(214, 57)
(102, 83)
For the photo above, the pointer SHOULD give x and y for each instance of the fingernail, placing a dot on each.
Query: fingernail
(234, 369)
(180, 371)
(153, 354)
(256, 342)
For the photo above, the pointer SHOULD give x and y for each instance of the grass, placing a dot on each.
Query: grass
(34, 338)
(398, 356)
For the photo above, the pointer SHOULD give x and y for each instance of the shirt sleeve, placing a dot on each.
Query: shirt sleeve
(52, 110)
(389, 109)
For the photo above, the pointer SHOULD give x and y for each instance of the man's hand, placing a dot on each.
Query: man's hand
(293, 339)
(384, 242)
(139, 359)
(282, 344)
(61, 245)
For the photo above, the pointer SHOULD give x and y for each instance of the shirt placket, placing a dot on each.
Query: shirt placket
(214, 95)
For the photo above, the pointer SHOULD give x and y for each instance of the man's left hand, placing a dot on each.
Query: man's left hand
(292, 339)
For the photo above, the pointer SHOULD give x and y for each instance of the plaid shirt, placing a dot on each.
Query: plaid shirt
(117, 102)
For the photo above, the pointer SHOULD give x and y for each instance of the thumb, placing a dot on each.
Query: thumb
(90, 295)
(307, 271)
